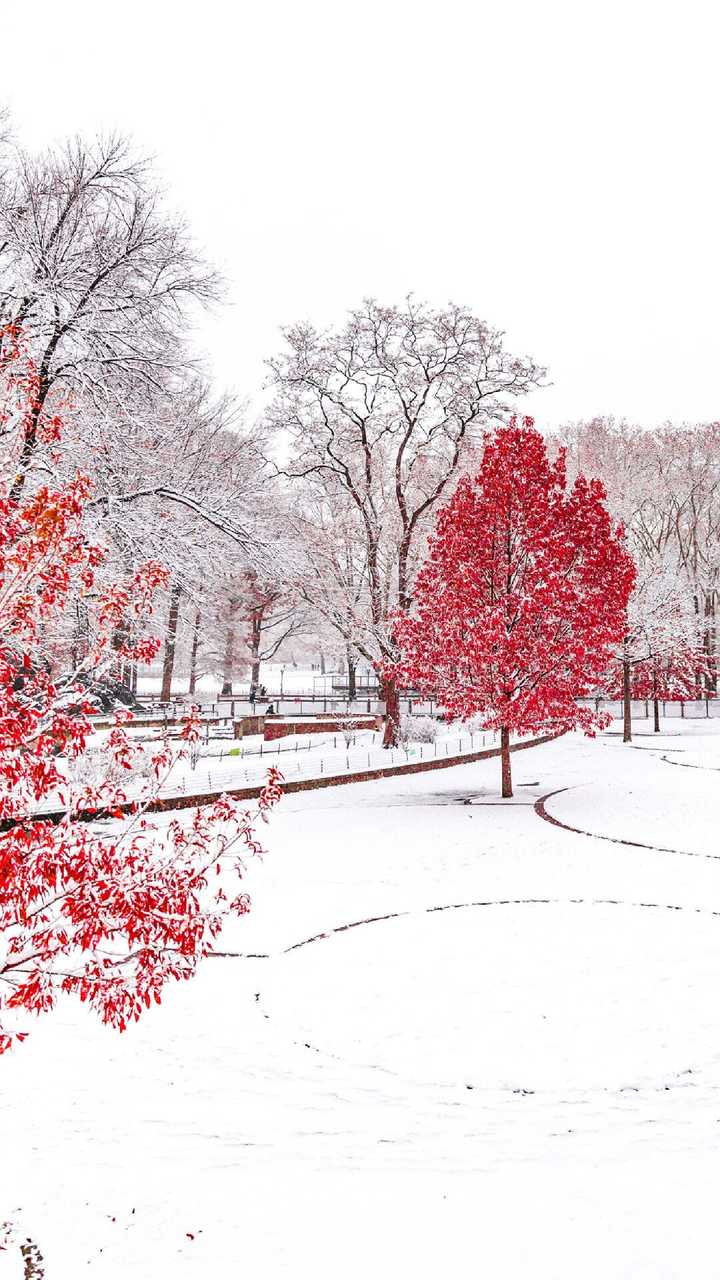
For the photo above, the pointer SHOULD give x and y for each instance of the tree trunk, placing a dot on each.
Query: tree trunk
(194, 652)
(31, 427)
(656, 715)
(119, 665)
(256, 622)
(506, 764)
(627, 708)
(81, 635)
(711, 678)
(390, 695)
(322, 663)
(228, 661)
(170, 638)
(352, 680)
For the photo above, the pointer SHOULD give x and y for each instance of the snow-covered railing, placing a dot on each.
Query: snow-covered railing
(236, 708)
(234, 772)
(642, 708)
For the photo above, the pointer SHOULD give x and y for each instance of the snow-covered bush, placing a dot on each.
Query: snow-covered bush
(418, 729)
(97, 767)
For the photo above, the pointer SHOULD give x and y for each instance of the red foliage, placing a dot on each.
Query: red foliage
(110, 914)
(522, 596)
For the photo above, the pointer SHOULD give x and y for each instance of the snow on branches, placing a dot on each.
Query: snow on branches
(379, 417)
(113, 912)
(522, 597)
(663, 656)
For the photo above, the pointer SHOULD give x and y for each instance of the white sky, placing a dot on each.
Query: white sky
(553, 165)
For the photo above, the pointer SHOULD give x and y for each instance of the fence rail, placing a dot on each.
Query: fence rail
(308, 704)
(642, 708)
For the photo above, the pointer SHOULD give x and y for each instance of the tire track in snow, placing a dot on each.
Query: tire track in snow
(674, 1080)
(506, 902)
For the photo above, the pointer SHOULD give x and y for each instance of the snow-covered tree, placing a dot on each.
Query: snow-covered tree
(662, 656)
(379, 415)
(664, 484)
(97, 274)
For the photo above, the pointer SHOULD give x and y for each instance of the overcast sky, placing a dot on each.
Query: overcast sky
(552, 165)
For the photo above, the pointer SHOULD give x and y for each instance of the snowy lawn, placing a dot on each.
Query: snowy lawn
(515, 1073)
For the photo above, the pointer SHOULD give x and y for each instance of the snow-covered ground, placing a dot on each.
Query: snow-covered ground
(509, 1066)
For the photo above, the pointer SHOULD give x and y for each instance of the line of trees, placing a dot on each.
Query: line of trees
(664, 485)
(299, 534)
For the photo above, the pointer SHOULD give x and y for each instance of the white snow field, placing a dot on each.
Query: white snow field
(508, 1066)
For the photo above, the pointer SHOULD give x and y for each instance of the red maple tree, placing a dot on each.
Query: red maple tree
(521, 598)
(108, 912)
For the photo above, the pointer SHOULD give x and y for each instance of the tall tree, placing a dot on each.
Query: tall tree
(96, 272)
(379, 415)
(522, 597)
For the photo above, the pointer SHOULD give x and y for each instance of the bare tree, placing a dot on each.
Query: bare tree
(333, 578)
(97, 275)
(382, 413)
(274, 614)
(664, 484)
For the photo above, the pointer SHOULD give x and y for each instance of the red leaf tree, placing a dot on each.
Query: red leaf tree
(522, 597)
(108, 913)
